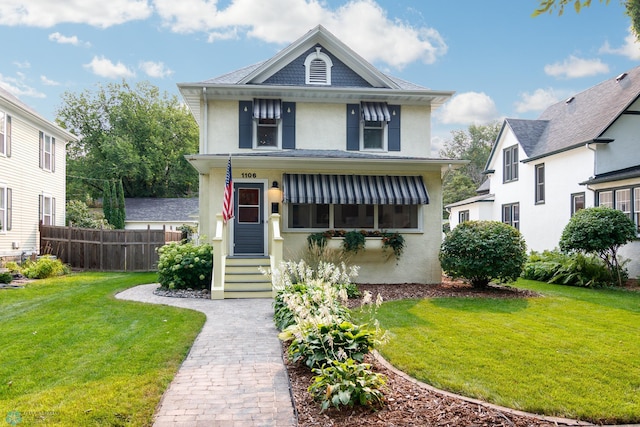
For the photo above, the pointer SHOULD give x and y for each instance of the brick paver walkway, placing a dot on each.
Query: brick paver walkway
(234, 374)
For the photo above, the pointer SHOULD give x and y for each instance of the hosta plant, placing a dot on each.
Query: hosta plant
(317, 345)
(347, 383)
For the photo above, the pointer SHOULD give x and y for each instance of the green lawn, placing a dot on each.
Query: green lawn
(73, 355)
(572, 352)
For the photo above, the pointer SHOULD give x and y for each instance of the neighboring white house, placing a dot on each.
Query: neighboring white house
(32, 176)
(581, 152)
(319, 139)
(170, 213)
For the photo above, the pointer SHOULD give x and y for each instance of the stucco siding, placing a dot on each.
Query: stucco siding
(624, 151)
(321, 126)
(415, 131)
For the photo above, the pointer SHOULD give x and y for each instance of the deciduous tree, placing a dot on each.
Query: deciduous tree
(129, 133)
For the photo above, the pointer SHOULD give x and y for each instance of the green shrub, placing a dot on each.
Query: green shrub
(347, 384)
(317, 345)
(283, 315)
(13, 267)
(44, 267)
(183, 266)
(79, 215)
(6, 277)
(600, 231)
(481, 251)
(567, 269)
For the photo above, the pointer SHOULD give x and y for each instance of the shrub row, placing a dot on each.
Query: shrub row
(310, 312)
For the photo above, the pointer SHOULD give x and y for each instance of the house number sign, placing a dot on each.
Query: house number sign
(249, 175)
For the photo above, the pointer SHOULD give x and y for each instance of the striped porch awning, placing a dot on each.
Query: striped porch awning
(354, 189)
(266, 108)
(375, 112)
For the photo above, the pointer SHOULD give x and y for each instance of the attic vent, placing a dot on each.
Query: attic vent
(621, 76)
(318, 72)
(318, 68)
(569, 100)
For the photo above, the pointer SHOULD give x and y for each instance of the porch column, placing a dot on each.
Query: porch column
(276, 244)
(219, 243)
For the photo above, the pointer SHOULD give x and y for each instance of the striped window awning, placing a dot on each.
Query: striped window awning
(375, 112)
(354, 189)
(266, 108)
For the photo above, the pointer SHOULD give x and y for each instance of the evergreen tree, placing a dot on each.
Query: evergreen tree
(107, 201)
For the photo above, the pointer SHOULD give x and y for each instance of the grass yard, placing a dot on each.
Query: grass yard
(572, 352)
(73, 355)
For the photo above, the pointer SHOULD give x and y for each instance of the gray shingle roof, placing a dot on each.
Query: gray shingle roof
(161, 210)
(528, 132)
(580, 118)
(324, 154)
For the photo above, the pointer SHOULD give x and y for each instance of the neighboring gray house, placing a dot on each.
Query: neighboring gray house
(581, 152)
(170, 213)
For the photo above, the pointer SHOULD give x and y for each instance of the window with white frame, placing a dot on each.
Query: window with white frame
(375, 217)
(636, 208)
(539, 182)
(5, 209)
(605, 199)
(3, 133)
(510, 164)
(374, 135)
(577, 202)
(47, 152)
(623, 201)
(511, 214)
(267, 123)
(318, 68)
(463, 216)
(47, 209)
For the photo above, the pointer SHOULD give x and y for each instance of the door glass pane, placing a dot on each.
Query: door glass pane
(248, 205)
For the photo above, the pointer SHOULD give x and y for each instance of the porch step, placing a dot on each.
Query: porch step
(243, 278)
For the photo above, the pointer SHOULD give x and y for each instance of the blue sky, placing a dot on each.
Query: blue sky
(499, 60)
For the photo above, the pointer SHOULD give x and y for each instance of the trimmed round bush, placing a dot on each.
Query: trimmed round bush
(183, 266)
(483, 251)
(600, 231)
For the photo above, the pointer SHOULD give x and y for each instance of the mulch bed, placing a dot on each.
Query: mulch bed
(407, 402)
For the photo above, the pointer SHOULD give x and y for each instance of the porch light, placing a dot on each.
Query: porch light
(275, 196)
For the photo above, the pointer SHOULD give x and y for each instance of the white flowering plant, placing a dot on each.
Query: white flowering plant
(186, 265)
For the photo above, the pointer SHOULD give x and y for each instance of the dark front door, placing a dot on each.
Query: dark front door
(248, 231)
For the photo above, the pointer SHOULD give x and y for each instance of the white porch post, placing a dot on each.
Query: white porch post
(219, 243)
(276, 243)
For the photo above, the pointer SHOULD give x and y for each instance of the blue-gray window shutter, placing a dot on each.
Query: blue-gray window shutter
(289, 125)
(9, 207)
(41, 137)
(394, 128)
(245, 120)
(353, 127)
(8, 138)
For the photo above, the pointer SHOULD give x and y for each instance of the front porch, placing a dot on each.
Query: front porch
(242, 276)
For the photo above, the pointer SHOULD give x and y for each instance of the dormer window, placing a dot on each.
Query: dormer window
(318, 68)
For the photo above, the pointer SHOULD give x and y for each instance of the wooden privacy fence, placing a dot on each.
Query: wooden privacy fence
(105, 250)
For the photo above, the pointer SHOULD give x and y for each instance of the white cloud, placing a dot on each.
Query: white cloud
(47, 13)
(358, 23)
(48, 82)
(73, 40)
(537, 101)
(468, 108)
(18, 87)
(155, 69)
(24, 64)
(630, 48)
(103, 67)
(574, 67)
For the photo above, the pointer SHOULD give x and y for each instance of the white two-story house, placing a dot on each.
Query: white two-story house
(581, 152)
(32, 176)
(319, 140)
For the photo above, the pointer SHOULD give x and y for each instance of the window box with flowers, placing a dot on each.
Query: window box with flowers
(356, 241)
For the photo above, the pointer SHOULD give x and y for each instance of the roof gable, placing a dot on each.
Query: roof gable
(340, 51)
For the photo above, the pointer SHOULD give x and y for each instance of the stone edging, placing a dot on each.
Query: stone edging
(555, 420)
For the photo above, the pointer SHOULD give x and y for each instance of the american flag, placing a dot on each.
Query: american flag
(227, 203)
